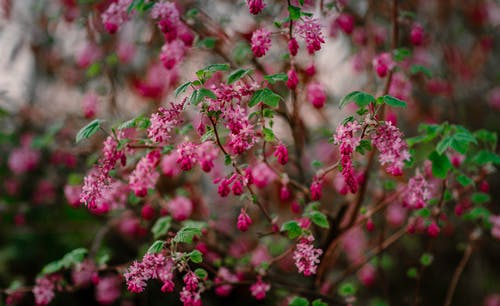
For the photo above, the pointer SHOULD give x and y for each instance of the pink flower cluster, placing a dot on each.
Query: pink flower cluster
(261, 42)
(23, 159)
(145, 176)
(152, 266)
(383, 63)
(259, 289)
(281, 154)
(255, 6)
(316, 94)
(108, 289)
(84, 272)
(190, 294)
(224, 275)
(180, 208)
(316, 188)
(115, 15)
(44, 289)
(495, 229)
(164, 121)
(393, 150)
(89, 104)
(309, 29)
(189, 153)
(244, 221)
(417, 192)
(98, 179)
(348, 140)
(236, 180)
(306, 256)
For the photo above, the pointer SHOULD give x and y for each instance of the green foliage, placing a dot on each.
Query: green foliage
(181, 89)
(196, 256)
(88, 130)
(292, 228)
(299, 301)
(274, 78)
(362, 99)
(207, 43)
(156, 247)
(237, 75)
(441, 165)
(186, 234)
(266, 96)
(161, 226)
(426, 259)
(201, 93)
(66, 262)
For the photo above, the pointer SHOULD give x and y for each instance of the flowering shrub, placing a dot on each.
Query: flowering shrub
(245, 178)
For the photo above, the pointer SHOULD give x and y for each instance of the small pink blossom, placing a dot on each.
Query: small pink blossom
(224, 275)
(347, 139)
(164, 121)
(44, 289)
(293, 79)
(433, 230)
(207, 153)
(89, 54)
(293, 47)
(393, 150)
(24, 159)
(187, 153)
(259, 289)
(316, 188)
(281, 154)
(345, 22)
(172, 53)
(145, 176)
(261, 42)
(262, 175)
(107, 291)
(168, 19)
(316, 94)
(244, 221)
(417, 34)
(180, 208)
(169, 165)
(83, 273)
(72, 194)
(383, 63)
(417, 192)
(306, 256)
(255, 6)
(89, 104)
(310, 30)
(115, 15)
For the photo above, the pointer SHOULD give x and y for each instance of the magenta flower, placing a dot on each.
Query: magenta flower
(306, 256)
(393, 149)
(316, 94)
(417, 192)
(180, 208)
(255, 6)
(310, 30)
(145, 176)
(244, 221)
(293, 79)
(259, 289)
(261, 42)
(281, 154)
(115, 15)
(293, 47)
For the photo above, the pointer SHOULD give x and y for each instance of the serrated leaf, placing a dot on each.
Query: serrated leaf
(266, 96)
(319, 219)
(441, 164)
(156, 247)
(415, 69)
(201, 273)
(237, 75)
(480, 198)
(484, 157)
(318, 302)
(208, 42)
(181, 89)
(292, 228)
(278, 77)
(299, 301)
(361, 99)
(186, 234)
(161, 226)
(199, 94)
(394, 102)
(401, 54)
(294, 12)
(465, 180)
(268, 134)
(196, 256)
(88, 130)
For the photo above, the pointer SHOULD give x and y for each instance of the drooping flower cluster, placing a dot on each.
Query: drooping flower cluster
(293, 79)
(495, 229)
(152, 266)
(417, 192)
(244, 221)
(261, 42)
(316, 188)
(187, 155)
(108, 289)
(393, 150)
(172, 53)
(383, 63)
(348, 140)
(306, 256)
(89, 104)
(224, 276)
(164, 121)
(115, 15)
(259, 289)
(180, 208)
(281, 154)
(44, 289)
(83, 273)
(98, 179)
(190, 294)
(309, 29)
(255, 6)
(168, 19)
(145, 176)
(236, 180)
(316, 94)
(24, 159)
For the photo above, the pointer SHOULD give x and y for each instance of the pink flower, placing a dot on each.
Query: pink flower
(260, 255)
(316, 187)
(383, 63)
(172, 53)
(115, 15)
(207, 153)
(261, 42)
(293, 79)
(433, 230)
(168, 19)
(89, 54)
(367, 275)
(107, 291)
(244, 221)
(417, 193)
(169, 166)
(44, 289)
(164, 122)
(400, 87)
(255, 6)
(310, 30)
(83, 273)
(293, 47)
(89, 104)
(417, 34)
(72, 194)
(348, 140)
(125, 51)
(316, 94)
(306, 256)
(180, 208)
(262, 175)
(281, 154)
(145, 176)
(24, 159)
(259, 289)
(494, 98)
(224, 275)
(152, 266)
(345, 22)
(495, 229)
(393, 150)
(190, 294)
(147, 212)
(187, 153)
(285, 193)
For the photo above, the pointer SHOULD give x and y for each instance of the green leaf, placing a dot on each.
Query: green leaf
(196, 256)
(394, 102)
(490, 138)
(278, 77)
(318, 302)
(316, 164)
(268, 134)
(319, 219)
(193, 12)
(465, 180)
(94, 70)
(415, 69)
(440, 165)
(156, 247)
(361, 99)
(266, 96)
(444, 144)
(208, 43)
(477, 213)
(347, 289)
(52, 267)
(140, 122)
(299, 301)
(292, 228)
(67, 261)
(401, 54)
(161, 226)
(209, 70)
(412, 272)
(364, 145)
(294, 12)
(426, 259)
(181, 89)
(480, 198)
(237, 74)
(484, 157)
(88, 130)
(199, 94)
(186, 234)
(201, 273)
